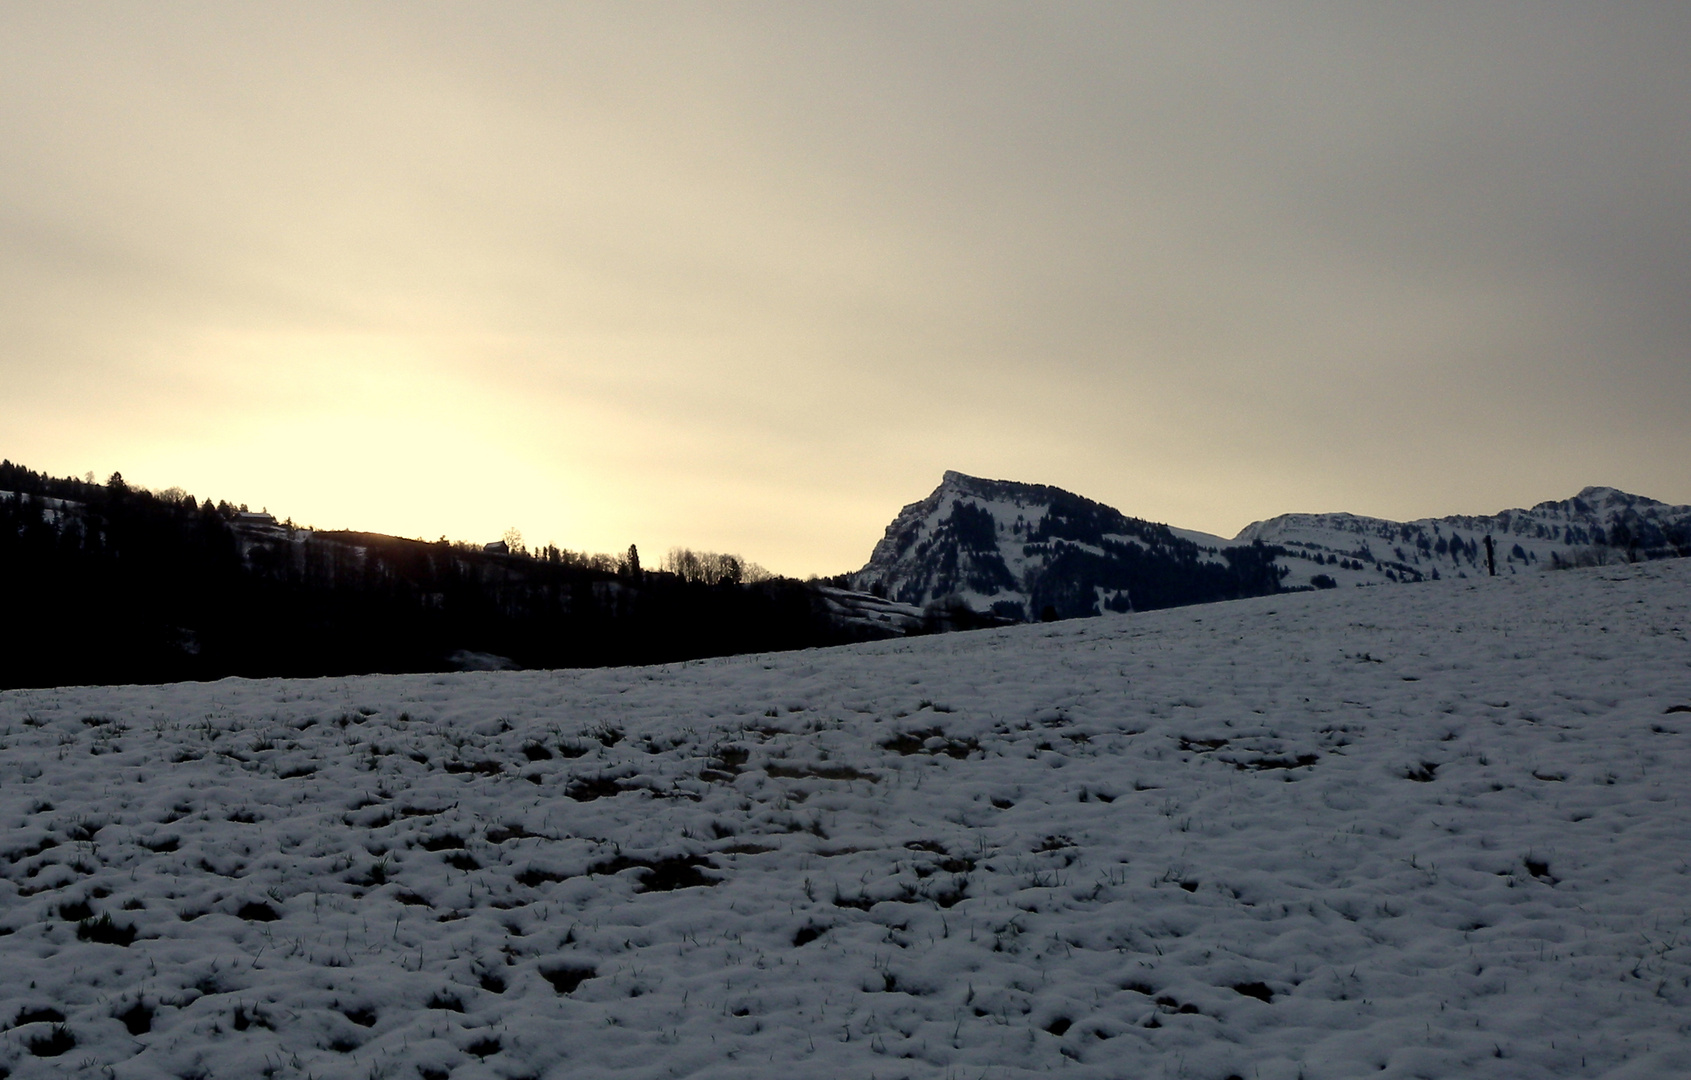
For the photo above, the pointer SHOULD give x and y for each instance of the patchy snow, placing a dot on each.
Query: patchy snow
(874, 613)
(1356, 550)
(53, 510)
(991, 543)
(1430, 832)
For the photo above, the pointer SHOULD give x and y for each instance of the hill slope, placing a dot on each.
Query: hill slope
(107, 583)
(1434, 832)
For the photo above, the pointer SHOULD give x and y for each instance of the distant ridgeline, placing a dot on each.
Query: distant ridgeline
(1599, 525)
(104, 583)
(1028, 551)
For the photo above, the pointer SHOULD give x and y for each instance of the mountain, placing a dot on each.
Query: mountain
(1026, 551)
(1600, 524)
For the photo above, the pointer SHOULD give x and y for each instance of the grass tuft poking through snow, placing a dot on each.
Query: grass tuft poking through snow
(1430, 831)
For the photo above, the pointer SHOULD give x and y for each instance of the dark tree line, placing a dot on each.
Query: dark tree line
(103, 583)
(1165, 575)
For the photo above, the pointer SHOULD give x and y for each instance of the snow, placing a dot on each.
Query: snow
(53, 510)
(904, 563)
(871, 612)
(1206, 541)
(1526, 539)
(1016, 511)
(1006, 514)
(1431, 831)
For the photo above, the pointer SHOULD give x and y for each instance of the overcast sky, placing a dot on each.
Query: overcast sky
(749, 278)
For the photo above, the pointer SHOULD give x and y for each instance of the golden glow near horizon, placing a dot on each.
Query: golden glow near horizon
(750, 279)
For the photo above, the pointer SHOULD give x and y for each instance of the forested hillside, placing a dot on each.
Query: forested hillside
(105, 583)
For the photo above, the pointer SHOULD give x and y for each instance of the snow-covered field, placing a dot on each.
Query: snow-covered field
(1440, 830)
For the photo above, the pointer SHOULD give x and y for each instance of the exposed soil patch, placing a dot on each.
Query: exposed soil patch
(1257, 990)
(662, 875)
(565, 979)
(586, 789)
(819, 772)
(1302, 761)
(105, 932)
(931, 741)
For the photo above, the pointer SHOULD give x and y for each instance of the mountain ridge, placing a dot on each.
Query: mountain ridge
(1020, 551)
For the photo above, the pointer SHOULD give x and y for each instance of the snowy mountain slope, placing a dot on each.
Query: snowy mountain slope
(883, 617)
(1013, 549)
(1363, 550)
(1432, 832)
(1021, 551)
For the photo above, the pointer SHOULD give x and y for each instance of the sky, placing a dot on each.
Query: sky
(750, 277)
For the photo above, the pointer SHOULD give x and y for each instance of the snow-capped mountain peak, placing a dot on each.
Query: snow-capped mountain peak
(1025, 551)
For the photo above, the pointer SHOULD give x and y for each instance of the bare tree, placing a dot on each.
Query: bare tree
(712, 568)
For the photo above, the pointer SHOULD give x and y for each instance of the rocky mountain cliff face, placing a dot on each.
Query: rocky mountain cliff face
(1026, 551)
